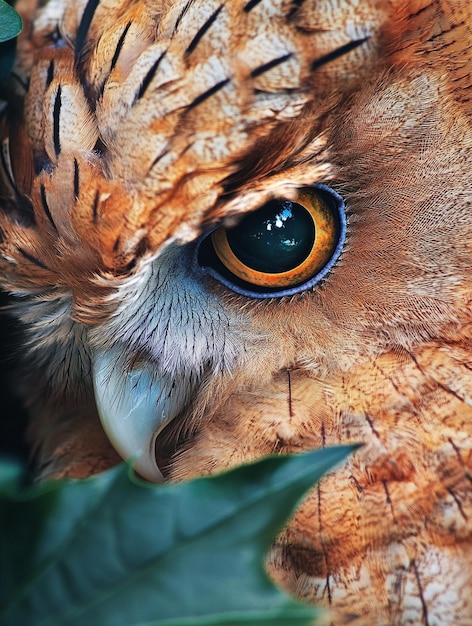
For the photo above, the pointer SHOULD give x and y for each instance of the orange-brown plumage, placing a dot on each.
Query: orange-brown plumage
(135, 127)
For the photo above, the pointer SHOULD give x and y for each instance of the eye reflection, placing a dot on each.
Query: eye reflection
(273, 239)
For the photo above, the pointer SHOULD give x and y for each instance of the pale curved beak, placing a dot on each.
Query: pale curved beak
(134, 406)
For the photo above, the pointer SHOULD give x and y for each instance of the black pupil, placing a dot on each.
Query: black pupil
(276, 238)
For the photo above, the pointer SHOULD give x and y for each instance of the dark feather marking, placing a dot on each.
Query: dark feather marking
(116, 54)
(148, 78)
(268, 66)
(202, 30)
(423, 10)
(6, 169)
(370, 421)
(56, 118)
(44, 202)
(331, 56)
(50, 74)
(296, 4)
(323, 435)
(441, 385)
(290, 407)
(95, 207)
(76, 179)
(208, 93)
(31, 258)
(287, 90)
(183, 12)
(119, 47)
(459, 455)
(250, 5)
(141, 247)
(158, 158)
(420, 589)
(321, 533)
(389, 500)
(458, 503)
(84, 27)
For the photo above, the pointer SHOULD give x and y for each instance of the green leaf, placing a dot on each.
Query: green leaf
(10, 22)
(112, 550)
(10, 27)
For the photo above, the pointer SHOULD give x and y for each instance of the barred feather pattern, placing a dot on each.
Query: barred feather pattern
(130, 129)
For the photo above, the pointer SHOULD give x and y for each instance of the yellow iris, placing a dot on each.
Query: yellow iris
(283, 244)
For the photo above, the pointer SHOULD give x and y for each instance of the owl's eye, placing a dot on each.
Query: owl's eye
(284, 247)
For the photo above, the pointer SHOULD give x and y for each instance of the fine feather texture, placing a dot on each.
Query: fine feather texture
(134, 127)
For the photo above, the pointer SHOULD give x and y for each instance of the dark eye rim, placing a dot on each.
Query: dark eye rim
(203, 253)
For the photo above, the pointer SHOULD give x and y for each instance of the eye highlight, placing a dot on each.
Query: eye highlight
(284, 247)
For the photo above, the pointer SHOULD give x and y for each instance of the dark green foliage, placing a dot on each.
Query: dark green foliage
(112, 550)
(10, 27)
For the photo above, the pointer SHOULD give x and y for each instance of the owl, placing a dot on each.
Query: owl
(233, 228)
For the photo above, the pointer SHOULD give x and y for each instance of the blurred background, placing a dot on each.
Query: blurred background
(12, 416)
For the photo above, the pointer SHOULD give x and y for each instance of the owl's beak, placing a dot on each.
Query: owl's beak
(134, 407)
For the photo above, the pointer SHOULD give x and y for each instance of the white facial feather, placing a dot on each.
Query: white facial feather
(166, 315)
